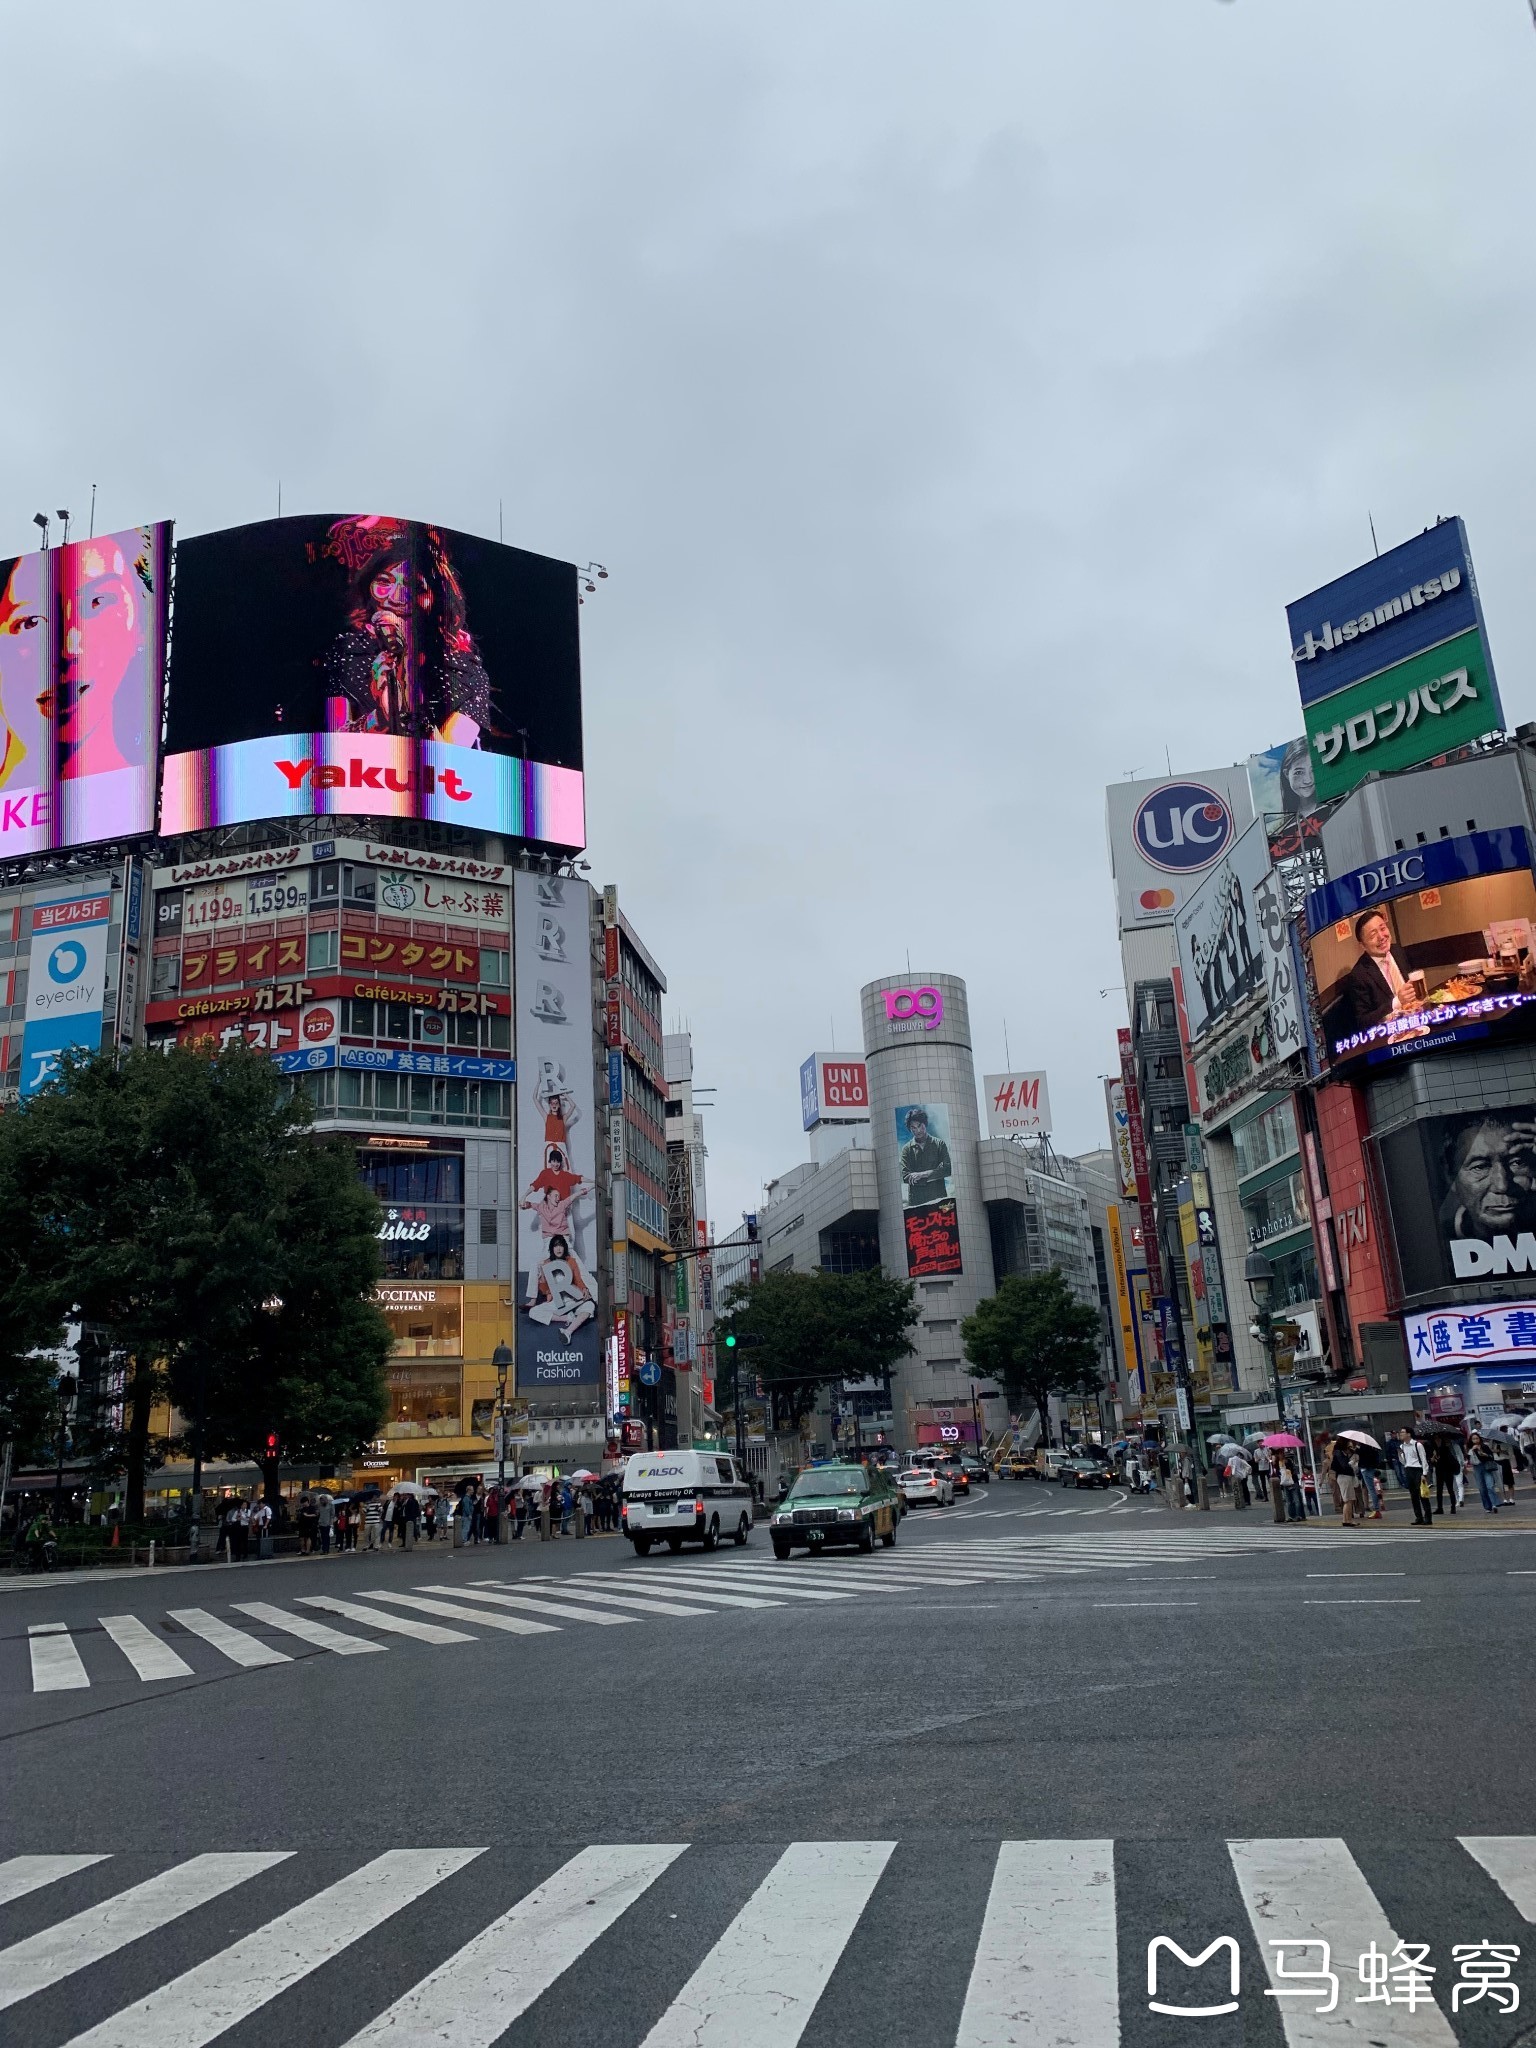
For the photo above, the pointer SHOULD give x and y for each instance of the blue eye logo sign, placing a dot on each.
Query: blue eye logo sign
(1182, 826)
(66, 963)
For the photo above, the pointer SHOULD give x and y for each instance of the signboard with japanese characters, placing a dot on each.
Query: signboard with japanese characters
(1497, 1335)
(1392, 661)
(1218, 935)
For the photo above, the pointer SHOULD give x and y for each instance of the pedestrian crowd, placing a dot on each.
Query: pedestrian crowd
(327, 1523)
(1431, 1465)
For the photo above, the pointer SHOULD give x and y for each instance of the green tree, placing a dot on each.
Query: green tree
(800, 1332)
(177, 1200)
(1035, 1338)
(306, 1361)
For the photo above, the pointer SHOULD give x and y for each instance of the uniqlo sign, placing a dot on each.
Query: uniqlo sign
(833, 1090)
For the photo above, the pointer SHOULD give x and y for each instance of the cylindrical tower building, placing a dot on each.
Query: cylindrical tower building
(933, 1225)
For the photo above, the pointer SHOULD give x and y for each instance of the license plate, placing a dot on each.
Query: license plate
(815, 1535)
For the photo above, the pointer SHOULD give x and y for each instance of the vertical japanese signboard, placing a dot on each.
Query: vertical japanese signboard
(559, 1339)
(66, 977)
(1138, 1139)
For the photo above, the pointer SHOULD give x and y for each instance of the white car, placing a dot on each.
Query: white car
(921, 1487)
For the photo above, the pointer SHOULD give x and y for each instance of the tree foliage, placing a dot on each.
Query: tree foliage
(180, 1201)
(801, 1332)
(1035, 1338)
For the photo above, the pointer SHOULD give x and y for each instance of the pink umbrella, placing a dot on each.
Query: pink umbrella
(1283, 1440)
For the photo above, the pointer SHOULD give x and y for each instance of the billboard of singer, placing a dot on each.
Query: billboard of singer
(378, 667)
(82, 666)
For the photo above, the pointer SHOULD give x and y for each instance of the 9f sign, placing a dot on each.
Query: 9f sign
(912, 1009)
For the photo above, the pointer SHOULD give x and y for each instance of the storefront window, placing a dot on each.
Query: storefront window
(1276, 1210)
(1293, 1278)
(422, 1195)
(423, 1401)
(428, 1322)
(1269, 1137)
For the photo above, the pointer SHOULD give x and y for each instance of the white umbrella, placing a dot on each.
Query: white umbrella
(1526, 1424)
(532, 1483)
(1358, 1436)
(581, 1472)
(411, 1486)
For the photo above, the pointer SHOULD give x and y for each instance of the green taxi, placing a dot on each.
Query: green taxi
(836, 1505)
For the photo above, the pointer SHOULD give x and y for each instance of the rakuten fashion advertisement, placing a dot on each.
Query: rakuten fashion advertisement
(559, 1340)
(375, 667)
(82, 664)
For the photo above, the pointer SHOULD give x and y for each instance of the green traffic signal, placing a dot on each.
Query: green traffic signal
(730, 1341)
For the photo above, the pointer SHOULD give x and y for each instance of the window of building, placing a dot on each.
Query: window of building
(359, 887)
(165, 975)
(1293, 1277)
(409, 1098)
(488, 1226)
(423, 1402)
(495, 968)
(1266, 1138)
(849, 1251)
(1275, 1210)
(425, 1322)
(422, 1196)
(322, 951)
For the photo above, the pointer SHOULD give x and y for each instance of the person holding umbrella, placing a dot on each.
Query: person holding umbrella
(1341, 1467)
(1368, 1463)
(1485, 1463)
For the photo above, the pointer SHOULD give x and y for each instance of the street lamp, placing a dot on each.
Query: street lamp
(1260, 1278)
(501, 1358)
(66, 1391)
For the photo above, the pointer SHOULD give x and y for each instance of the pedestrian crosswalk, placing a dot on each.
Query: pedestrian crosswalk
(191, 1643)
(760, 1945)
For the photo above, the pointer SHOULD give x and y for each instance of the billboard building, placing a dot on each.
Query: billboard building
(389, 715)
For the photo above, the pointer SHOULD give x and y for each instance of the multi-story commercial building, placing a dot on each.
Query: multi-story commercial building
(692, 1305)
(638, 1228)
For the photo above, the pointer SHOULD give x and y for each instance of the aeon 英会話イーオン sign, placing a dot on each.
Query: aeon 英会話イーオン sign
(914, 1009)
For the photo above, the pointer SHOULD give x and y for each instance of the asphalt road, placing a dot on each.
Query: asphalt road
(789, 1800)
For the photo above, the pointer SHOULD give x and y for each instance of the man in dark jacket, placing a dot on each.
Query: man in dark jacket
(1377, 985)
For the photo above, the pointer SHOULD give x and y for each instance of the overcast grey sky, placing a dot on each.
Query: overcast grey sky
(956, 395)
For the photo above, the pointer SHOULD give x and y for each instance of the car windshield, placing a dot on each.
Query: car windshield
(837, 1479)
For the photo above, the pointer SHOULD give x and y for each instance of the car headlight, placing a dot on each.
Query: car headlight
(847, 1514)
(777, 1520)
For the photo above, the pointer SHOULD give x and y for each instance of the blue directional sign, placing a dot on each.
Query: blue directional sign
(650, 1373)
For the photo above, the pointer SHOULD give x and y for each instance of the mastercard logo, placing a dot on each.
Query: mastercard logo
(1156, 899)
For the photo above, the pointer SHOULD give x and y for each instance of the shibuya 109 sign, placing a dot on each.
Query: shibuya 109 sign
(914, 1009)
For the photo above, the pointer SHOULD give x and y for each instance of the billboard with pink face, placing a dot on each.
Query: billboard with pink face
(82, 669)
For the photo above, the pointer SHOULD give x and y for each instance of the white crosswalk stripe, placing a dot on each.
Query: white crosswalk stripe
(74, 1944)
(759, 1984)
(695, 1591)
(576, 1588)
(391, 1624)
(1055, 1949)
(208, 2000)
(22, 1874)
(56, 1665)
(529, 1604)
(456, 1610)
(240, 1648)
(1314, 1891)
(1045, 1965)
(307, 1631)
(471, 2000)
(150, 1658)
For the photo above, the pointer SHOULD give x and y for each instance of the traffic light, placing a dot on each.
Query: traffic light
(730, 1340)
(271, 1446)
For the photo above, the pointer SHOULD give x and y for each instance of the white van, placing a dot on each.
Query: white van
(677, 1496)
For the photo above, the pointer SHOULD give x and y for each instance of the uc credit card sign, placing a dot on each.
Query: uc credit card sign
(66, 978)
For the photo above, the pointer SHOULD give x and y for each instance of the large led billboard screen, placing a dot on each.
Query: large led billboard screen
(82, 666)
(1463, 1195)
(1431, 947)
(377, 667)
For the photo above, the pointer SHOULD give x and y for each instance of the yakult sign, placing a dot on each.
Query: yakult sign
(914, 1009)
